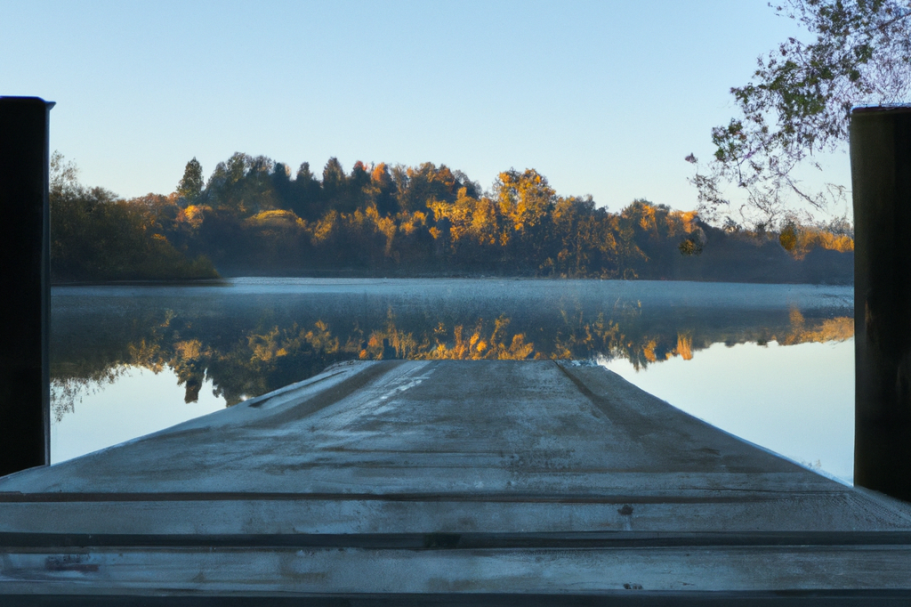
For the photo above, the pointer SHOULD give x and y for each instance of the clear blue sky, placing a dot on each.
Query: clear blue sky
(604, 98)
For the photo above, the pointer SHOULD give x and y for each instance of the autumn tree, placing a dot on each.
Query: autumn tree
(525, 198)
(381, 190)
(97, 236)
(416, 186)
(471, 230)
(525, 202)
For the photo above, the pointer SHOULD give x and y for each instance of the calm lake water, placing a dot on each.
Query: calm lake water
(770, 363)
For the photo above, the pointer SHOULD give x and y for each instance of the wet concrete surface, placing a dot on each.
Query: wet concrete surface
(448, 479)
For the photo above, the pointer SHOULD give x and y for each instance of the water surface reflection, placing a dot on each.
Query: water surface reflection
(225, 343)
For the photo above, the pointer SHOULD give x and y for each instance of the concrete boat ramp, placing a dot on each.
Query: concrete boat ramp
(447, 482)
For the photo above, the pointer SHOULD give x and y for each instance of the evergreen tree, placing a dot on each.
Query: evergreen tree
(281, 182)
(306, 201)
(190, 186)
(333, 178)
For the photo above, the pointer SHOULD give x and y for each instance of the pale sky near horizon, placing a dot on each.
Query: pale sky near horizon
(603, 98)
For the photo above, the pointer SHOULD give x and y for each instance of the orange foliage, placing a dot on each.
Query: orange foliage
(800, 240)
(685, 346)
(840, 328)
(648, 350)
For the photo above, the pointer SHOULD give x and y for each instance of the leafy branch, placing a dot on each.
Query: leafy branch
(799, 101)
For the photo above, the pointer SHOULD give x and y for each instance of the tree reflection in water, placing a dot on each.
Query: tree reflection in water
(267, 342)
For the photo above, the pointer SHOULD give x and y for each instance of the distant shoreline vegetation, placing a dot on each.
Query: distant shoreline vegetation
(252, 218)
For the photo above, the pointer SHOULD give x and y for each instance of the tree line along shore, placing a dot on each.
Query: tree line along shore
(251, 217)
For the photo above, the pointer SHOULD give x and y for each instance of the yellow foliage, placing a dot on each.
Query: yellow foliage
(147, 355)
(193, 215)
(412, 222)
(518, 349)
(188, 350)
(680, 222)
(320, 338)
(647, 219)
(685, 346)
(324, 228)
(524, 199)
(276, 343)
(831, 329)
(274, 218)
(800, 240)
(263, 347)
(383, 225)
(469, 219)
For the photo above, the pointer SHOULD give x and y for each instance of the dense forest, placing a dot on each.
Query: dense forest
(252, 217)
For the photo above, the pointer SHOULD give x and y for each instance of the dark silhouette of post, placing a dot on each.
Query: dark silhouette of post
(881, 179)
(25, 263)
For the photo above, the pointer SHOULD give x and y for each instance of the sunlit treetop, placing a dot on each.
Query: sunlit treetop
(192, 182)
(798, 103)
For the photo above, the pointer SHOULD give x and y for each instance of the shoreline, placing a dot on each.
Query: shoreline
(225, 279)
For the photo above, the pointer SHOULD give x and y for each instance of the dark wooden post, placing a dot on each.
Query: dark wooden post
(881, 179)
(25, 263)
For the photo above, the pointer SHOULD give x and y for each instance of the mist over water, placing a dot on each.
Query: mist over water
(127, 360)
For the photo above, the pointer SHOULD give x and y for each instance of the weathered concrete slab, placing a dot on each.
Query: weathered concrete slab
(434, 479)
